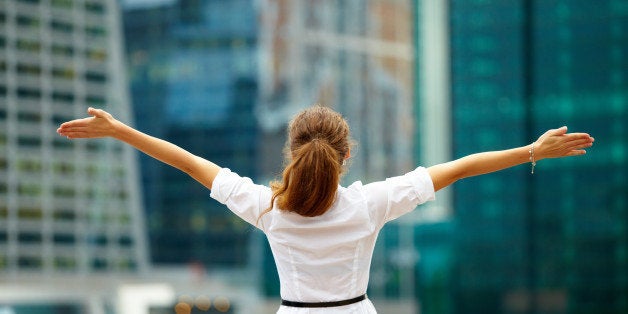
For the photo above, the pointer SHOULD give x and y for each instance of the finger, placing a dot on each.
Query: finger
(80, 134)
(93, 112)
(577, 136)
(74, 135)
(576, 152)
(560, 131)
(63, 132)
(76, 128)
(98, 113)
(67, 131)
(579, 142)
(75, 123)
(575, 141)
(581, 146)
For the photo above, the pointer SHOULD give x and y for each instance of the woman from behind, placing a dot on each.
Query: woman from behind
(322, 234)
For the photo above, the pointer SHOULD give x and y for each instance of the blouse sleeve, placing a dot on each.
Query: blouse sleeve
(243, 197)
(396, 196)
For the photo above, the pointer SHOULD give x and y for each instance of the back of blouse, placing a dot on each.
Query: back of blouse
(325, 258)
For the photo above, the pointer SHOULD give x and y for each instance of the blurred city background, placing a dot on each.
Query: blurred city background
(92, 226)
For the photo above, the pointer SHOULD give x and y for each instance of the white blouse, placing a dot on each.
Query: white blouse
(328, 257)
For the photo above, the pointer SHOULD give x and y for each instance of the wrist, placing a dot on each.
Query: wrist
(117, 129)
(533, 156)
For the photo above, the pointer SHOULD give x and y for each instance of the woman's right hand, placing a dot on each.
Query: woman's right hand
(100, 124)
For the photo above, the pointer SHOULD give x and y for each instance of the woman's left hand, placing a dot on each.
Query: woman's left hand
(558, 143)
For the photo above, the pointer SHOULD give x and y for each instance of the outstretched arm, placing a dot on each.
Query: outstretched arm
(552, 144)
(103, 124)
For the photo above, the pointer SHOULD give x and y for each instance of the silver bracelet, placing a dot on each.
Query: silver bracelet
(531, 151)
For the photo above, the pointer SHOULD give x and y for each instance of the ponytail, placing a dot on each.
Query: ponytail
(318, 143)
(310, 181)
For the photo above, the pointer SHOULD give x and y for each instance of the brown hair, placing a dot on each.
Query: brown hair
(318, 143)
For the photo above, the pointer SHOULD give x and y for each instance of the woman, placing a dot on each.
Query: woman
(322, 234)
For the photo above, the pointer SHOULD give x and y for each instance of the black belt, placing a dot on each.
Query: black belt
(323, 304)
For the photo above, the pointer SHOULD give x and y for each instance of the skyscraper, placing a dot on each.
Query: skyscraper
(68, 209)
(555, 241)
(193, 78)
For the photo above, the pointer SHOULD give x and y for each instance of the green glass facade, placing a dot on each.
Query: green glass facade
(555, 241)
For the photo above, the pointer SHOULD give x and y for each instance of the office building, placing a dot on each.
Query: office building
(68, 208)
(193, 80)
(554, 241)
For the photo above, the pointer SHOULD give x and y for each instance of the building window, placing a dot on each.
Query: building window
(96, 77)
(30, 213)
(66, 73)
(63, 97)
(25, 141)
(127, 263)
(125, 241)
(29, 1)
(62, 27)
(62, 143)
(29, 189)
(32, 262)
(96, 54)
(27, 93)
(65, 263)
(96, 31)
(27, 21)
(64, 239)
(63, 168)
(30, 117)
(62, 4)
(95, 100)
(26, 165)
(67, 215)
(63, 191)
(66, 51)
(28, 45)
(28, 69)
(29, 237)
(94, 7)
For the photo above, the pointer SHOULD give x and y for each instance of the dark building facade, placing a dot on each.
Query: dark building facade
(555, 241)
(194, 82)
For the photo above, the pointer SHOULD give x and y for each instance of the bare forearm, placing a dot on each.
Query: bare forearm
(477, 164)
(202, 170)
(159, 149)
(487, 162)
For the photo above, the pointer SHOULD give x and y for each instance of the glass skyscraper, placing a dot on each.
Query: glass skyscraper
(554, 241)
(193, 78)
